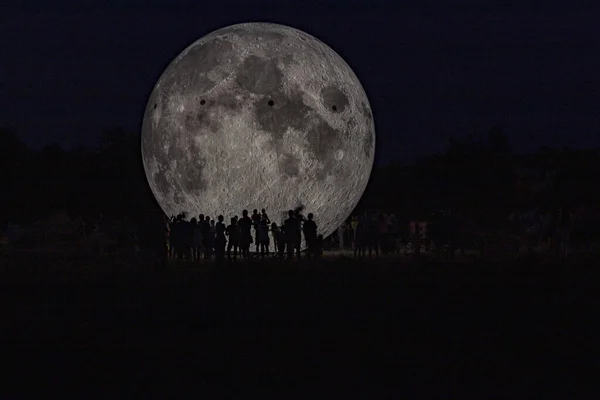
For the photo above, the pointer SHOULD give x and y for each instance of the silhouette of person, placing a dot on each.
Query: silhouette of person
(291, 228)
(256, 217)
(206, 241)
(263, 237)
(196, 240)
(319, 246)
(245, 224)
(279, 239)
(359, 238)
(340, 233)
(163, 249)
(298, 214)
(393, 234)
(176, 237)
(374, 236)
(220, 241)
(167, 237)
(233, 235)
(186, 238)
(213, 233)
(172, 237)
(353, 225)
(263, 215)
(310, 235)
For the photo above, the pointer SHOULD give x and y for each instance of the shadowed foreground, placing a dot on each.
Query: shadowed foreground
(382, 328)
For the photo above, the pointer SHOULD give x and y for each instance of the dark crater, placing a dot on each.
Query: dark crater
(334, 98)
(201, 118)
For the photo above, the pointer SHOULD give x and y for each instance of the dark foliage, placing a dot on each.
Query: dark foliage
(108, 179)
(474, 176)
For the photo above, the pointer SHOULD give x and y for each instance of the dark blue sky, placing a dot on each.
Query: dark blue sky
(432, 69)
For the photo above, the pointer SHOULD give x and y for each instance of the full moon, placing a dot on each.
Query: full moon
(259, 115)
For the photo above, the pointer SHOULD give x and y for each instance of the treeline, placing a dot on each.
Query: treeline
(476, 176)
(482, 178)
(108, 179)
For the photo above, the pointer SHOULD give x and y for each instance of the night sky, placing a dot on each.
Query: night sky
(431, 70)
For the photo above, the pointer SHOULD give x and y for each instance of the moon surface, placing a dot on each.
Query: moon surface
(259, 115)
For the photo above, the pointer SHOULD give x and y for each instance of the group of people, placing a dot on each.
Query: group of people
(203, 238)
(369, 234)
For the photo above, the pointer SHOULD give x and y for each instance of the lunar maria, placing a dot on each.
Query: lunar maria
(258, 115)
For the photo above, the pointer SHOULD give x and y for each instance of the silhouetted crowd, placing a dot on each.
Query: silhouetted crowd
(369, 234)
(203, 238)
(554, 233)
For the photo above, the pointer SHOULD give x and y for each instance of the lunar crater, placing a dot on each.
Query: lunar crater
(230, 126)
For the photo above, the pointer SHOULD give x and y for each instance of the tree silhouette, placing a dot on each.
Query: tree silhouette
(476, 175)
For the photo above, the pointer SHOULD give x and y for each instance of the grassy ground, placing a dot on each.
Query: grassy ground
(378, 327)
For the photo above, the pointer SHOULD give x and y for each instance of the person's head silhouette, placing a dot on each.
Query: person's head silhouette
(310, 216)
(220, 218)
(291, 213)
(245, 213)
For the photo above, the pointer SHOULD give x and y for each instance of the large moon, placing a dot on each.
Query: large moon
(259, 115)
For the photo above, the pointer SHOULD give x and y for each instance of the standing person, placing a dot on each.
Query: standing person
(163, 247)
(353, 226)
(279, 239)
(233, 235)
(176, 237)
(263, 215)
(245, 224)
(205, 232)
(263, 237)
(274, 229)
(167, 238)
(565, 225)
(212, 237)
(256, 223)
(319, 247)
(300, 218)
(340, 233)
(189, 236)
(310, 235)
(291, 228)
(172, 237)
(359, 239)
(196, 240)
(372, 236)
(220, 241)
(393, 233)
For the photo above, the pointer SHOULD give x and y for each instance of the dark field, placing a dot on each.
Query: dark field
(381, 329)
